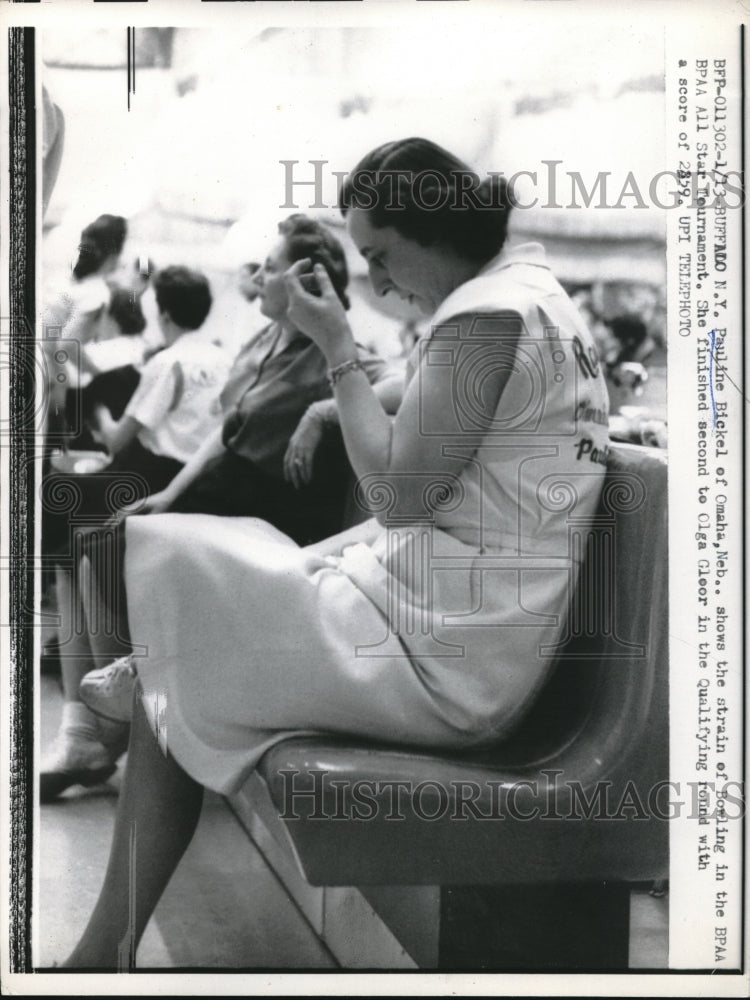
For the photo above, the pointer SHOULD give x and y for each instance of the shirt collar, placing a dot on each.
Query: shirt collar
(521, 253)
(531, 254)
(198, 336)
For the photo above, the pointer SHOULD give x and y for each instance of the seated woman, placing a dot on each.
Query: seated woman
(81, 311)
(83, 303)
(102, 314)
(277, 390)
(271, 457)
(394, 632)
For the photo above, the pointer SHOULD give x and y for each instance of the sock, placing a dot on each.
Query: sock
(78, 720)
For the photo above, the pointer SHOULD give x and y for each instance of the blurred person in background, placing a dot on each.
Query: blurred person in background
(634, 343)
(81, 311)
(626, 362)
(269, 455)
(172, 410)
(246, 282)
(132, 337)
(168, 417)
(113, 364)
(82, 304)
(273, 456)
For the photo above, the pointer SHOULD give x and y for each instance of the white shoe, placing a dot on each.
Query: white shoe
(109, 691)
(74, 759)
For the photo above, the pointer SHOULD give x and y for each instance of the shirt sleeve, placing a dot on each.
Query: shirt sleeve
(108, 354)
(153, 398)
(90, 296)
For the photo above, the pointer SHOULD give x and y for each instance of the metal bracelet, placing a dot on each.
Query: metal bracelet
(337, 373)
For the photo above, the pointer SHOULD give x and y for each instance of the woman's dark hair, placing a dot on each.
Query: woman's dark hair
(102, 238)
(305, 237)
(183, 294)
(428, 195)
(125, 310)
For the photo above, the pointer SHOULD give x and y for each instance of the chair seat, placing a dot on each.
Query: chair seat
(573, 796)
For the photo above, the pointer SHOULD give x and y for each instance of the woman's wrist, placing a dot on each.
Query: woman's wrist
(171, 492)
(343, 349)
(337, 372)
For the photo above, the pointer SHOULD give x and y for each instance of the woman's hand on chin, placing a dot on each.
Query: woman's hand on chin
(319, 315)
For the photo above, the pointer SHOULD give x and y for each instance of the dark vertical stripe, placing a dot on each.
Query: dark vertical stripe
(743, 452)
(22, 240)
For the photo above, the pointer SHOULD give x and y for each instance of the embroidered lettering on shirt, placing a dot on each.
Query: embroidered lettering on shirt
(588, 359)
(591, 414)
(586, 447)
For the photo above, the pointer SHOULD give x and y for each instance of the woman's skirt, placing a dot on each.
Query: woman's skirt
(242, 639)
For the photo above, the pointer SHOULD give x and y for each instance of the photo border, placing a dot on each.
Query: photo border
(21, 489)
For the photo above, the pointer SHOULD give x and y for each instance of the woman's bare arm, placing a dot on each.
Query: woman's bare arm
(114, 434)
(466, 378)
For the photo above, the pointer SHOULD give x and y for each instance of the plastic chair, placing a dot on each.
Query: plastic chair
(535, 872)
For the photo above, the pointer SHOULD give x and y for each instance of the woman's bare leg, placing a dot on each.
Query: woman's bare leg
(76, 655)
(159, 803)
(156, 817)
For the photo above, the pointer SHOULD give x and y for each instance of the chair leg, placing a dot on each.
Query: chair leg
(562, 927)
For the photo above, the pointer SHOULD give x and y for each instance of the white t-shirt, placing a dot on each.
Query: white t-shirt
(88, 295)
(107, 355)
(176, 396)
(131, 349)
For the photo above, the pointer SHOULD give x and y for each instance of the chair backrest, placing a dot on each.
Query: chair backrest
(608, 688)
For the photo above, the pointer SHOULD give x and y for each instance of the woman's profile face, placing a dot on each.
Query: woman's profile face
(269, 281)
(396, 263)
